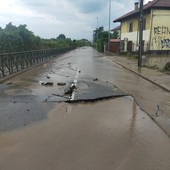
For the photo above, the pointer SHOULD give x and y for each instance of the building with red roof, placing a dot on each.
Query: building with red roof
(156, 27)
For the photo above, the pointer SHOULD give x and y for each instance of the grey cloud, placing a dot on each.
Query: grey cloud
(83, 6)
(75, 18)
(35, 3)
(89, 6)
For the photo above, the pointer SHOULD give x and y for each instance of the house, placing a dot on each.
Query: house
(117, 29)
(156, 27)
(114, 45)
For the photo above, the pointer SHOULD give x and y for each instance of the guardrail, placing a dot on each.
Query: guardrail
(11, 63)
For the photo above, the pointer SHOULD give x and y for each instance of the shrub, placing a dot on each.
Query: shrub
(167, 66)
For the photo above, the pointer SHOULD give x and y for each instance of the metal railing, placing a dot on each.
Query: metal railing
(11, 63)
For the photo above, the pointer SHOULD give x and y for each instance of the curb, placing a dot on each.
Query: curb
(164, 88)
(144, 77)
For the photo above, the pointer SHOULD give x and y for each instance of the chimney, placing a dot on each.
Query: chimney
(136, 6)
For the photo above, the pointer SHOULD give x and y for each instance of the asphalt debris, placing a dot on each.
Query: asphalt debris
(71, 89)
(47, 83)
(61, 84)
(96, 79)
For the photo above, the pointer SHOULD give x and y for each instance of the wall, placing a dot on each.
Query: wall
(125, 24)
(114, 47)
(134, 36)
(158, 61)
(160, 33)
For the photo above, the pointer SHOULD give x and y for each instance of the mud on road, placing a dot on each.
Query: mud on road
(41, 126)
(100, 135)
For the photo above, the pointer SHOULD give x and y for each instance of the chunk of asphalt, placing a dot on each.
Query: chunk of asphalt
(96, 79)
(88, 90)
(70, 90)
(47, 83)
(94, 91)
(61, 84)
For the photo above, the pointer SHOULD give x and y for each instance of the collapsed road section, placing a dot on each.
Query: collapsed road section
(23, 109)
(29, 97)
(87, 90)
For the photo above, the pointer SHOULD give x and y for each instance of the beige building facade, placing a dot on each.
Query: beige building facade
(160, 30)
(156, 27)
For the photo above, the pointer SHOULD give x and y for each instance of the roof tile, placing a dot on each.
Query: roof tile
(149, 5)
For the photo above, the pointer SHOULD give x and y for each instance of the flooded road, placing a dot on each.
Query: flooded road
(147, 95)
(106, 134)
(101, 135)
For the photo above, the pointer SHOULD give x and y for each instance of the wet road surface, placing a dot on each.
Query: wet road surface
(112, 134)
(147, 95)
(108, 134)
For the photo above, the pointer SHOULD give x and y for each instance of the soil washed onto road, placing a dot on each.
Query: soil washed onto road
(82, 112)
(101, 135)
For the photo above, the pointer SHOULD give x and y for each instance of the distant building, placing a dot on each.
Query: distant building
(156, 26)
(114, 45)
(118, 28)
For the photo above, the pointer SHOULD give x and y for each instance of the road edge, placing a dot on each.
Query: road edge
(144, 77)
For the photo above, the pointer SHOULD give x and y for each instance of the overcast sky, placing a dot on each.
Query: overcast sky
(74, 18)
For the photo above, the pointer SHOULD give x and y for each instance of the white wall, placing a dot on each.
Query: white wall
(134, 37)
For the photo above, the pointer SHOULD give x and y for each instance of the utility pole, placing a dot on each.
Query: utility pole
(97, 28)
(140, 35)
(109, 26)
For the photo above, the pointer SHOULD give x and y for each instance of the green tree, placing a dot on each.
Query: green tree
(19, 38)
(10, 39)
(115, 34)
(102, 39)
(27, 37)
(61, 37)
(10, 28)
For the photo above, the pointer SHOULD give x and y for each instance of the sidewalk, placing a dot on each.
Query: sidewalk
(154, 76)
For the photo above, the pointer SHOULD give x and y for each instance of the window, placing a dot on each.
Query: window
(131, 27)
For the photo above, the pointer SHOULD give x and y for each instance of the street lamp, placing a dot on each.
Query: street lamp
(109, 26)
(140, 35)
(97, 18)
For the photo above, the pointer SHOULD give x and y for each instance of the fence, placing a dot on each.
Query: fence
(11, 63)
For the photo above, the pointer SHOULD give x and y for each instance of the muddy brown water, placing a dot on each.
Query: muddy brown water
(113, 134)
